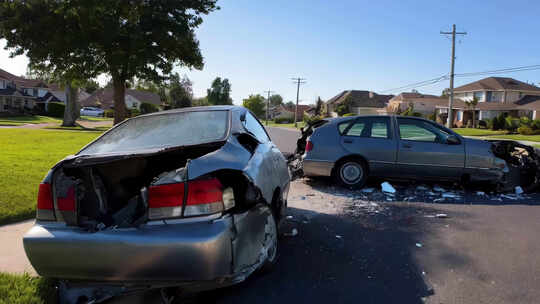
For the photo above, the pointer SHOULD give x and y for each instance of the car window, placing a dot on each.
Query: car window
(357, 128)
(253, 126)
(162, 131)
(418, 131)
(342, 126)
(379, 129)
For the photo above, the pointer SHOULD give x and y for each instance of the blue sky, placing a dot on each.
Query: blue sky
(364, 45)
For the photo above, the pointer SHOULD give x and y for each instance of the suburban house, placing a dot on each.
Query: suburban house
(18, 94)
(283, 112)
(421, 103)
(495, 95)
(357, 102)
(104, 99)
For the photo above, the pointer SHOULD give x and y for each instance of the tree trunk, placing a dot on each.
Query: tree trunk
(71, 112)
(119, 99)
(474, 118)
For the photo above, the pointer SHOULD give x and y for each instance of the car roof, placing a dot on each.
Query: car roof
(340, 119)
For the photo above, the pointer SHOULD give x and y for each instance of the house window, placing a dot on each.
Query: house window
(460, 115)
(478, 95)
(2, 84)
(489, 96)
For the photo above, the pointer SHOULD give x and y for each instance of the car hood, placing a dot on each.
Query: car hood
(479, 143)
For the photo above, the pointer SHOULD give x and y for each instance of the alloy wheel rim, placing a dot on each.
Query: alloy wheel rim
(351, 173)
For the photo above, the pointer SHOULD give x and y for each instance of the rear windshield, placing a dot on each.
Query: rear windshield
(162, 131)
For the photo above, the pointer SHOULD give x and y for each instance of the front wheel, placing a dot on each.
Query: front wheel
(351, 173)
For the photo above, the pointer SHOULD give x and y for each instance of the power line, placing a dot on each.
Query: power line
(445, 77)
(268, 104)
(452, 64)
(298, 81)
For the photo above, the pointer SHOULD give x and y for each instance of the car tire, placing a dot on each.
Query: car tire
(271, 244)
(351, 173)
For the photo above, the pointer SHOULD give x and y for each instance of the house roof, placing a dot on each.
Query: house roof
(413, 95)
(300, 110)
(10, 91)
(361, 99)
(497, 84)
(106, 98)
(529, 102)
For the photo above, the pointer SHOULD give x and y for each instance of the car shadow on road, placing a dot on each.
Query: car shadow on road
(340, 259)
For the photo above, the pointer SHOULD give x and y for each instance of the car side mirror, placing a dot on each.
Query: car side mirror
(452, 140)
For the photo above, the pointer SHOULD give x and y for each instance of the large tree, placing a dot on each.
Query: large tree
(180, 91)
(255, 103)
(219, 92)
(126, 39)
(276, 100)
(62, 53)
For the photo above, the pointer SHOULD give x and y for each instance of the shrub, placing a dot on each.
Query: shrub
(109, 113)
(342, 109)
(282, 120)
(148, 108)
(524, 130)
(310, 119)
(432, 116)
(56, 109)
(483, 124)
(511, 124)
(498, 122)
(525, 121)
(535, 124)
(134, 112)
(348, 114)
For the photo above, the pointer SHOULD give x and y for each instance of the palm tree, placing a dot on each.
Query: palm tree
(472, 104)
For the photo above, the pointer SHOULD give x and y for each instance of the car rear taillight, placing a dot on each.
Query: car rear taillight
(204, 197)
(309, 146)
(45, 204)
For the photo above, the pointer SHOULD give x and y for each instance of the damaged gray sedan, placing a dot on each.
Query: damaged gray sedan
(188, 198)
(352, 148)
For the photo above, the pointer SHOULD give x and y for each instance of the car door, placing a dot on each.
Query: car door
(373, 139)
(424, 152)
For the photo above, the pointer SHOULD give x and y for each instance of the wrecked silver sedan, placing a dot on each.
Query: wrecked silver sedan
(353, 148)
(189, 197)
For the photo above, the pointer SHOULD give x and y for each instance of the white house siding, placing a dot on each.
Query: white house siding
(365, 111)
(132, 102)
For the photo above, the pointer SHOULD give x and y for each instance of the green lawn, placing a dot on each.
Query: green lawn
(26, 157)
(478, 132)
(93, 118)
(535, 138)
(24, 289)
(79, 128)
(283, 125)
(22, 120)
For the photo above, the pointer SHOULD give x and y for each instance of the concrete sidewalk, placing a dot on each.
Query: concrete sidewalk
(12, 256)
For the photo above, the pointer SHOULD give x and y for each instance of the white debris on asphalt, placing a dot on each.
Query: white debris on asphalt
(422, 188)
(289, 217)
(450, 195)
(438, 189)
(509, 196)
(518, 190)
(418, 245)
(338, 236)
(368, 190)
(480, 193)
(294, 232)
(386, 187)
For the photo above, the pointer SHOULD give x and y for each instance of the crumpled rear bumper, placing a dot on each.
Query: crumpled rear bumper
(197, 251)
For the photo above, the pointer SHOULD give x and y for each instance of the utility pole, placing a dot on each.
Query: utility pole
(450, 120)
(298, 82)
(268, 104)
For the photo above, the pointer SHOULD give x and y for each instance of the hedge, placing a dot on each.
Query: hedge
(56, 109)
